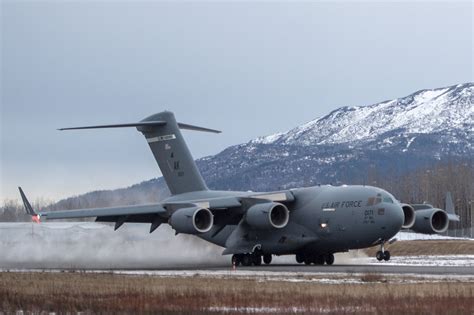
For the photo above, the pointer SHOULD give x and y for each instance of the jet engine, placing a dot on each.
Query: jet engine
(192, 220)
(267, 215)
(409, 214)
(430, 221)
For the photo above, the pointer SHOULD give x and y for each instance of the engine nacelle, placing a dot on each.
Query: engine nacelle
(410, 216)
(430, 221)
(267, 215)
(192, 220)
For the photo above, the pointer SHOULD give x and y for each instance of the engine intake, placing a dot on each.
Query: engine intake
(410, 216)
(192, 220)
(431, 221)
(268, 215)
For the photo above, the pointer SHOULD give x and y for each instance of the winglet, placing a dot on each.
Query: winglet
(449, 207)
(28, 208)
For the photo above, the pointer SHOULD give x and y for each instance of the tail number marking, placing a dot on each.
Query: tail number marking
(161, 138)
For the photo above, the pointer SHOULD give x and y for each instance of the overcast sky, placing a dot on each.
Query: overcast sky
(247, 69)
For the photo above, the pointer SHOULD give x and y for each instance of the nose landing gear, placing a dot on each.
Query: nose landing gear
(382, 254)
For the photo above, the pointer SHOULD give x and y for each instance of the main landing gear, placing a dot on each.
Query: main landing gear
(251, 259)
(309, 259)
(382, 254)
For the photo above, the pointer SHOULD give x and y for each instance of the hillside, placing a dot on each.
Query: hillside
(396, 136)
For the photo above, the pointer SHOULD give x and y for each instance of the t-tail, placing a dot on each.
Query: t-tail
(167, 144)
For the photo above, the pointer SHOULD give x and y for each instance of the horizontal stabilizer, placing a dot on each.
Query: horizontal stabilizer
(196, 128)
(156, 123)
(137, 124)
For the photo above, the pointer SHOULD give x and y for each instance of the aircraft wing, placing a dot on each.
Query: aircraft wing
(94, 212)
(221, 203)
(105, 212)
(159, 213)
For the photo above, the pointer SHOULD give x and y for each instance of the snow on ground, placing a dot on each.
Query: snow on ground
(444, 261)
(411, 236)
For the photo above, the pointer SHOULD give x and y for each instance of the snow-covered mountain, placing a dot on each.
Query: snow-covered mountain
(442, 110)
(397, 135)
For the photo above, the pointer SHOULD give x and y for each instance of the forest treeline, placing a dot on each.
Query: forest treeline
(431, 185)
(427, 184)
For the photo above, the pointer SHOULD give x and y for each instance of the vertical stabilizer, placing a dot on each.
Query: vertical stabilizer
(172, 154)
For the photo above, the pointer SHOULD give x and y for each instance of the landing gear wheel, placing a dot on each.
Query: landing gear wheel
(308, 260)
(379, 255)
(329, 258)
(383, 254)
(256, 260)
(319, 260)
(246, 260)
(236, 260)
(299, 258)
(267, 259)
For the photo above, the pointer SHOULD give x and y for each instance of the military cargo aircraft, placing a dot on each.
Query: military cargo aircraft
(311, 223)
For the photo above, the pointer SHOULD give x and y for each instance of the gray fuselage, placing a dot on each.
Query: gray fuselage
(323, 219)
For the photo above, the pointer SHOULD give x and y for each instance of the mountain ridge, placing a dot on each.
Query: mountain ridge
(460, 95)
(405, 134)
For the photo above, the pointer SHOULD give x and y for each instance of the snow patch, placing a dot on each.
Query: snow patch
(423, 260)
(268, 139)
(411, 236)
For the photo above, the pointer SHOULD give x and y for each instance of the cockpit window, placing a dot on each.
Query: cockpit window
(372, 201)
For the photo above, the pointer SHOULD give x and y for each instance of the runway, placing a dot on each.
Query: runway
(96, 247)
(288, 269)
(382, 269)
